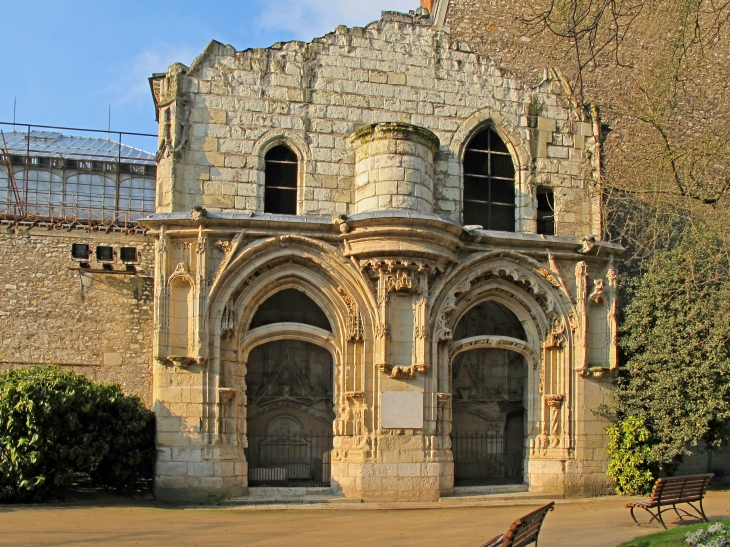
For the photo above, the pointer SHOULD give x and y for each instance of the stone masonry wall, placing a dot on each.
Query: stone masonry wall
(222, 114)
(49, 314)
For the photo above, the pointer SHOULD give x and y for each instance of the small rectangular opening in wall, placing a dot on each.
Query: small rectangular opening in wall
(80, 251)
(128, 254)
(545, 211)
(104, 253)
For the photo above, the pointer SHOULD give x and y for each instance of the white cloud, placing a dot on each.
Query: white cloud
(308, 19)
(131, 84)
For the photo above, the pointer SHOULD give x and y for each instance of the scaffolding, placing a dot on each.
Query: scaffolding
(79, 180)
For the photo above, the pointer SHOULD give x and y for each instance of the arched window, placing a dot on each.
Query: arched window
(489, 183)
(280, 183)
(290, 306)
(489, 318)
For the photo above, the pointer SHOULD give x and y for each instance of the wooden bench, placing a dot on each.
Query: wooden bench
(669, 492)
(523, 531)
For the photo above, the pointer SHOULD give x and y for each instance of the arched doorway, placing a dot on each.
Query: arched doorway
(489, 394)
(289, 386)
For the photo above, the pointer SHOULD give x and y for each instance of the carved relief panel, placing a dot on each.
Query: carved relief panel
(401, 335)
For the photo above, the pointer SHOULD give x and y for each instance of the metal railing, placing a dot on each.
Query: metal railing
(702, 460)
(482, 458)
(73, 175)
(289, 460)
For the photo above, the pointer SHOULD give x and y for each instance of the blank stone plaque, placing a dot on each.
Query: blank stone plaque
(401, 409)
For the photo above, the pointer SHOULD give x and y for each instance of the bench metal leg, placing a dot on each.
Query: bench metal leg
(675, 510)
(702, 510)
(657, 516)
(634, 517)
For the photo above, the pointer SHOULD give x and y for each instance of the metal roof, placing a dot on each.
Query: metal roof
(57, 145)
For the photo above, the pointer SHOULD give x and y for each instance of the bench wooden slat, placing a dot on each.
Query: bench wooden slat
(524, 531)
(670, 491)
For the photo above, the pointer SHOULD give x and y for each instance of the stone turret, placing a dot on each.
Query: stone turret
(394, 167)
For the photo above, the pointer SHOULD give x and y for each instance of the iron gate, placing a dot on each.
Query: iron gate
(481, 458)
(289, 460)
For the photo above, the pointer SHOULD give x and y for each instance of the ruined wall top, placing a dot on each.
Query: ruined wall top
(221, 116)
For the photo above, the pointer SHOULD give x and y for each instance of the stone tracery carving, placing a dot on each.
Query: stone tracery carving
(224, 245)
(556, 336)
(496, 342)
(398, 282)
(550, 277)
(402, 373)
(258, 273)
(228, 321)
(355, 328)
(382, 330)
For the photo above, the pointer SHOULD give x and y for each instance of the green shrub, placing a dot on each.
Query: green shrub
(55, 424)
(675, 343)
(628, 457)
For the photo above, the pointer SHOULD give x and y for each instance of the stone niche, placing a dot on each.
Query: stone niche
(394, 167)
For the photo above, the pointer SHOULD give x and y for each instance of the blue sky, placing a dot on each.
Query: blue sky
(66, 61)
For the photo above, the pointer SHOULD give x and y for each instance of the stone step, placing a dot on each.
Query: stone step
(490, 489)
(284, 496)
(282, 491)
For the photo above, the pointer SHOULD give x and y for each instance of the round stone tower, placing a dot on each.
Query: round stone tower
(394, 167)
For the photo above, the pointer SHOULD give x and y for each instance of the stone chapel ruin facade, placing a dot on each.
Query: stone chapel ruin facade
(379, 267)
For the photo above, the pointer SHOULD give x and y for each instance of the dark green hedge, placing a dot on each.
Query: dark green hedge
(55, 424)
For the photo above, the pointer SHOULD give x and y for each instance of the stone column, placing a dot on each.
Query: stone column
(394, 167)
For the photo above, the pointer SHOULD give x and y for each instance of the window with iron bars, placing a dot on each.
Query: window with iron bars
(280, 182)
(489, 183)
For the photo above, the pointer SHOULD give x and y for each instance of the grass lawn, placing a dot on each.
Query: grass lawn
(670, 538)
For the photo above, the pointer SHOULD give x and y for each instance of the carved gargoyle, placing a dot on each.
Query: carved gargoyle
(198, 212)
(341, 221)
(588, 242)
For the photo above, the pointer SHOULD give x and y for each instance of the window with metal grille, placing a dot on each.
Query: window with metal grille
(104, 253)
(80, 251)
(280, 183)
(545, 211)
(489, 183)
(128, 254)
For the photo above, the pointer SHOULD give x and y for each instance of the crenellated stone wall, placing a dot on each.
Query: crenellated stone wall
(220, 115)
